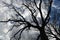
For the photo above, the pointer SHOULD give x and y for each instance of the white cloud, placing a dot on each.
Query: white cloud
(5, 30)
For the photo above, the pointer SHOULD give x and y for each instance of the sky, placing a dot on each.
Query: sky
(5, 15)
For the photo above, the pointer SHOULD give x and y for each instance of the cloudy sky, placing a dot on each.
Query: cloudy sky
(5, 15)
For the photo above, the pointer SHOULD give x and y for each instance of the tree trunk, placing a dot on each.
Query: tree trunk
(57, 38)
(43, 34)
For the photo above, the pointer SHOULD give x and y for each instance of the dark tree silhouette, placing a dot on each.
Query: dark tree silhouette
(55, 27)
(56, 34)
(33, 11)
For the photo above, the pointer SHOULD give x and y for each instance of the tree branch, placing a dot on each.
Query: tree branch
(33, 17)
(49, 10)
(36, 4)
(41, 11)
(38, 37)
(21, 30)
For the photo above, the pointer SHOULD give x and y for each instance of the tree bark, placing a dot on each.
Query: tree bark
(57, 38)
(43, 34)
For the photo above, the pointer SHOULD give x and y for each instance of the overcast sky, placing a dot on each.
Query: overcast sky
(4, 15)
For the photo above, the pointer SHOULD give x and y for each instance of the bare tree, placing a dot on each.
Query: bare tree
(56, 28)
(30, 6)
(56, 33)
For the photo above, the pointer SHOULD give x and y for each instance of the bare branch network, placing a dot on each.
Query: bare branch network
(32, 9)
